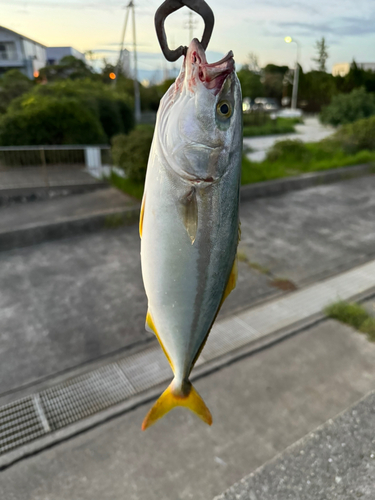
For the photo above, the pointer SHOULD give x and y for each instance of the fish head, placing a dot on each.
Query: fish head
(204, 126)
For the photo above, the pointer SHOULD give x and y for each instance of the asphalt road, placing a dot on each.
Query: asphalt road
(66, 303)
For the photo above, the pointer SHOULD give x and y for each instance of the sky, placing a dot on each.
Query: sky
(240, 25)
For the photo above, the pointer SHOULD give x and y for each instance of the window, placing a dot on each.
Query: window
(7, 51)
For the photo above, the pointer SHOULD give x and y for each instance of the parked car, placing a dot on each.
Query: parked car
(267, 104)
(246, 104)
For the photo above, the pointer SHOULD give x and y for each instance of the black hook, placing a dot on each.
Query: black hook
(169, 6)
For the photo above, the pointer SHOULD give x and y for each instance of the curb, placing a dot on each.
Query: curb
(304, 181)
(22, 195)
(35, 234)
(65, 228)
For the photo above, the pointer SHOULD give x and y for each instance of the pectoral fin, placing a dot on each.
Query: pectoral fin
(189, 211)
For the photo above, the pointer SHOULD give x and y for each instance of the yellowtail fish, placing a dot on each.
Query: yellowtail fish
(189, 218)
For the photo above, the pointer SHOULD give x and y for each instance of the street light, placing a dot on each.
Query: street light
(289, 39)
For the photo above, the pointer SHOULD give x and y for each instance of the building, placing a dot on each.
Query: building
(342, 69)
(19, 52)
(55, 54)
(125, 60)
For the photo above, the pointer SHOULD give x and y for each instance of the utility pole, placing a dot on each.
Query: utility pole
(119, 62)
(289, 39)
(190, 26)
(137, 99)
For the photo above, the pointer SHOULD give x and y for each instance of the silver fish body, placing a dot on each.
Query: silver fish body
(190, 220)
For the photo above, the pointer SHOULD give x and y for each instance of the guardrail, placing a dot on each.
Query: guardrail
(52, 166)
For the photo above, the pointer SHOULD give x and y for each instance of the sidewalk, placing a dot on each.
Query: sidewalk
(310, 131)
(260, 405)
(23, 224)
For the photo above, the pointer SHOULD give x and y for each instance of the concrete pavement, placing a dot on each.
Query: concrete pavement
(336, 461)
(310, 131)
(67, 303)
(261, 405)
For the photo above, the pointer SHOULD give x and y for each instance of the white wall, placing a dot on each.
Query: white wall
(29, 55)
(55, 54)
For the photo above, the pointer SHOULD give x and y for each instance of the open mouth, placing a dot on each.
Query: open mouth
(211, 75)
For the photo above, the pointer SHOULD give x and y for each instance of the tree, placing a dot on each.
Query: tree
(348, 108)
(272, 80)
(250, 83)
(68, 67)
(111, 107)
(316, 89)
(322, 49)
(253, 64)
(13, 84)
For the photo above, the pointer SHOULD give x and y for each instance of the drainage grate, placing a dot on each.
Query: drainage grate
(20, 423)
(85, 395)
(147, 368)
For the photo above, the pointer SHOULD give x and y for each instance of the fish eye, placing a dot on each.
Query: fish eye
(224, 109)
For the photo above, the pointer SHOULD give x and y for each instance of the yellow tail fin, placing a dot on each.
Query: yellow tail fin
(171, 398)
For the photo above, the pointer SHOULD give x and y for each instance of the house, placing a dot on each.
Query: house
(55, 54)
(19, 52)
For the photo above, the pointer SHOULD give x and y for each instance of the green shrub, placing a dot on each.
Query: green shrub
(12, 85)
(293, 149)
(356, 136)
(348, 108)
(130, 152)
(112, 109)
(46, 120)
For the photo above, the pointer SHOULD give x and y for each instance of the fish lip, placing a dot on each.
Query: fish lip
(213, 75)
(226, 58)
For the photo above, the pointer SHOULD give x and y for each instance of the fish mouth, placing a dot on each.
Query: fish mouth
(211, 75)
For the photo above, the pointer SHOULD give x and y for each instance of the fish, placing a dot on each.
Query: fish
(189, 223)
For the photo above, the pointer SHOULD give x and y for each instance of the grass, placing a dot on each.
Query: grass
(354, 315)
(242, 257)
(317, 158)
(271, 127)
(132, 188)
(285, 159)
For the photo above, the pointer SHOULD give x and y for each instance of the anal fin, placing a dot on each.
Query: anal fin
(150, 327)
(232, 281)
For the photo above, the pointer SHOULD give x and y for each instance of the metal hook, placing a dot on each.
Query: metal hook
(169, 6)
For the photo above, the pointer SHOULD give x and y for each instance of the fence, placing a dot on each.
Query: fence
(52, 166)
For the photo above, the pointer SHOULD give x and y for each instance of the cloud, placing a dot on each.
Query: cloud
(343, 26)
(79, 5)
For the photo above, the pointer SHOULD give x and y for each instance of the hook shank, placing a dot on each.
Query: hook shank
(170, 6)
